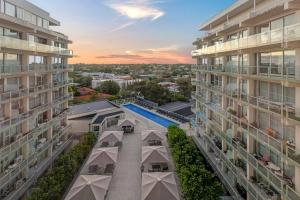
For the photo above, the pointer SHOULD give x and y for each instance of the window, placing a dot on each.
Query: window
(290, 20)
(10, 9)
(39, 21)
(20, 14)
(45, 24)
(12, 33)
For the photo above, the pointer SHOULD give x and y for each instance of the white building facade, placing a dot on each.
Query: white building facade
(247, 98)
(33, 95)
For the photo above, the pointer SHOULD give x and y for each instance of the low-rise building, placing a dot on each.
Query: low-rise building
(95, 117)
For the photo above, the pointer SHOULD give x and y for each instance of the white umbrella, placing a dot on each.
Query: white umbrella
(154, 154)
(126, 122)
(152, 135)
(103, 156)
(159, 185)
(111, 136)
(89, 187)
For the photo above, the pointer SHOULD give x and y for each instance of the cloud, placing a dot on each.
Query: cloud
(164, 55)
(136, 10)
(123, 26)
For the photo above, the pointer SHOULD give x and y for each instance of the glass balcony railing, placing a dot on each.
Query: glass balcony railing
(23, 69)
(13, 43)
(278, 36)
(269, 72)
(263, 170)
(284, 109)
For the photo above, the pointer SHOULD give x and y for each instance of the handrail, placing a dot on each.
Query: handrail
(280, 35)
(13, 43)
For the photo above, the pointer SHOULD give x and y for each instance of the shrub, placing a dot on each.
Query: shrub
(197, 181)
(55, 181)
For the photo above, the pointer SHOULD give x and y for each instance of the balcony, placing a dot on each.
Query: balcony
(265, 168)
(282, 109)
(274, 73)
(17, 44)
(34, 173)
(274, 37)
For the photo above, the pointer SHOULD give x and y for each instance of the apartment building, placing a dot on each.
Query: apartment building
(247, 98)
(33, 95)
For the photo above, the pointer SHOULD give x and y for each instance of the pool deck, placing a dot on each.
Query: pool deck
(127, 178)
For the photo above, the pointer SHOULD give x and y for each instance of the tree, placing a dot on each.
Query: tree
(196, 179)
(109, 87)
(185, 87)
(83, 81)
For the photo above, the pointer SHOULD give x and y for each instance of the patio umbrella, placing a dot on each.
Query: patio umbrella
(159, 185)
(154, 154)
(126, 122)
(111, 136)
(152, 135)
(89, 187)
(103, 156)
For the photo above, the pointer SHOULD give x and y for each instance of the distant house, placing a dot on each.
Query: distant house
(172, 87)
(85, 91)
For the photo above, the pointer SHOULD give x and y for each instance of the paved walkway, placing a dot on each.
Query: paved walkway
(126, 181)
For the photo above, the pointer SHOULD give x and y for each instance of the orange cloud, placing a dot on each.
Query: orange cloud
(166, 55)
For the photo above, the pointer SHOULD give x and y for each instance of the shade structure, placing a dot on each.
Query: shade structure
(152, 135)
(89, 187)
(154, 154)
(103, 156)
(159, 186)
(126, 122)
(111, 136)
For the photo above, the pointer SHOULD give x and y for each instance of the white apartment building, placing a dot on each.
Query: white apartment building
(247, 98)
(33, 95)
(122, 82)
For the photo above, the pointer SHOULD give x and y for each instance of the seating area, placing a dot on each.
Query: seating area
(101, 161)
(155, 167)
(96, 174)
(127, 125)
(152, 138)
(110, 139)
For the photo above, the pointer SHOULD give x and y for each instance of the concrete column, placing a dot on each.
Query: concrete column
(297, 179)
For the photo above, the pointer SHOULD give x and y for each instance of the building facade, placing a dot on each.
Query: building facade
(247, 98)
(33, 95)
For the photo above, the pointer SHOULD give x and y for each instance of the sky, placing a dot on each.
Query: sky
(131, 31)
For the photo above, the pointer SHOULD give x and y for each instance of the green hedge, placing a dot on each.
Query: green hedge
(54, 182)
(196, 179)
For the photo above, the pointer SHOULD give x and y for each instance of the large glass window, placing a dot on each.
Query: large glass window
(10, 9)
(12, 33)
(289, 58)
(39, 21)
(290, 20)
(276, 62)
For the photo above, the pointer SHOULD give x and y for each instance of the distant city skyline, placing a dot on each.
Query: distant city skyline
(132, 31)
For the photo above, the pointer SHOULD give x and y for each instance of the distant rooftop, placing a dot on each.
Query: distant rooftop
(90, 107)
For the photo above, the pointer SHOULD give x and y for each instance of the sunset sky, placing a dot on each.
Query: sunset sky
(131, 31)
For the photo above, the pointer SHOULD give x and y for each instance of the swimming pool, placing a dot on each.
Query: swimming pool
(149, 115)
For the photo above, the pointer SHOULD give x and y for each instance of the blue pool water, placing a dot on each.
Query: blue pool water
(149, 115)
